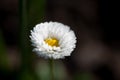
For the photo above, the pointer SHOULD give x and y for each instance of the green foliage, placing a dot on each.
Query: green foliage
(26, 75)
(31, 13)
(3, 56)
(83, 76)
(43, 70)
(36, 12)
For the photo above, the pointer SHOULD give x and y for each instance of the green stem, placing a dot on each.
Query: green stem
(24, 35)
(51, 62)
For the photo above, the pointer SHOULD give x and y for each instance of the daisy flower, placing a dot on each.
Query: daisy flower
(53, 40)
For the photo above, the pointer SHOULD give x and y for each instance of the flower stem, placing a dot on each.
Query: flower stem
(51, 63)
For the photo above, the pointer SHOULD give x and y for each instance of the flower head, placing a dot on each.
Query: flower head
(53, 40)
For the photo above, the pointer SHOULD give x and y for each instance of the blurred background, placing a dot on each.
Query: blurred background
(96, 57)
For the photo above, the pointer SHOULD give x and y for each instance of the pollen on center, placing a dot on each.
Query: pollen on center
(52, 42)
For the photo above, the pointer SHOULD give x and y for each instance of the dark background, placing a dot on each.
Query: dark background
(96, 26)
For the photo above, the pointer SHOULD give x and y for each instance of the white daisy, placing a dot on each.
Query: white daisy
(53, 40)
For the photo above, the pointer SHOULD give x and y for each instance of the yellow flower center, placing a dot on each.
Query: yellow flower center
(52, 42)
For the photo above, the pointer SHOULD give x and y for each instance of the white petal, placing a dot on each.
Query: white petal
(65, 36)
